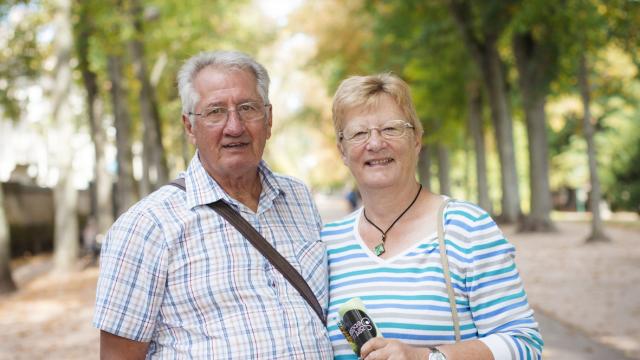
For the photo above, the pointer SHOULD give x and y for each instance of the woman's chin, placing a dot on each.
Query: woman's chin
(374, 183)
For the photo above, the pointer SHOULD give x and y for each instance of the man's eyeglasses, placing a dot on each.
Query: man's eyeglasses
(248, 112)
(393, 129)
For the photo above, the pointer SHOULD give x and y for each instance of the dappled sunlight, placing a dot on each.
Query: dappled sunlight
(32, 312)
(629, 344)
(591, 287)
(50, 316)
(546, 92)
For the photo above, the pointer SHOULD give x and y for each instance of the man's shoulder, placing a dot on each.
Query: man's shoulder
(165, 198)
(290, 185)
(288, 180)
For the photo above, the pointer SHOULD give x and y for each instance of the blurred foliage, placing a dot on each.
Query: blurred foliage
(20, 56)
(173, 31)
(418, 40)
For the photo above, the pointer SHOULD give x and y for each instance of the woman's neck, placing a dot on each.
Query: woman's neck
(385, 204)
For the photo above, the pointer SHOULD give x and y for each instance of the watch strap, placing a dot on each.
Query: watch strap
(436, 354)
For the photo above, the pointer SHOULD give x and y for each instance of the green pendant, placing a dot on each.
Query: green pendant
(379, 249)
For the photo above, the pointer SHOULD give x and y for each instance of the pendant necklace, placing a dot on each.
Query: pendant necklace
(379, 249)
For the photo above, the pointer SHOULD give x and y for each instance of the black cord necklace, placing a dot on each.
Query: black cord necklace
(379, 249)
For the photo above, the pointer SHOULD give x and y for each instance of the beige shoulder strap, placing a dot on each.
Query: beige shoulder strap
(445, 269)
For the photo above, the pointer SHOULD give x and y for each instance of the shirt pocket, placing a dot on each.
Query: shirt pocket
(311, 261)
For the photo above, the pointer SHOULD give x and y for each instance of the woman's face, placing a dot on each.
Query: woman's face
(379, 162)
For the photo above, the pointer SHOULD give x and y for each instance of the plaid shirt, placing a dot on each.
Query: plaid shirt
(177, 275)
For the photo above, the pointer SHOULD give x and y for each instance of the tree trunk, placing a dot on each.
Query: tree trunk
(443, 169)
(539, 218)
(102, 178)
(154, 161)
(491, 66)
(424, 166)
(125, 187)
(597, 228)
(6, 281)
(483, 50)
(535, 66)
(66, 235)
(187, 151)
(477, 133)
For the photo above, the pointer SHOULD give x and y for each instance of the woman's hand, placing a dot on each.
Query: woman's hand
(380, 348)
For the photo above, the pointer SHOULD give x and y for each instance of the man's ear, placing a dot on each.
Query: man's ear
(343, 155)
(269, 121)
(188, 128)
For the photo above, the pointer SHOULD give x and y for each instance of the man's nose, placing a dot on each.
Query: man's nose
(234, 125)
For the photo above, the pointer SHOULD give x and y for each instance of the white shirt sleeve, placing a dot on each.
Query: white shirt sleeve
(498, 347)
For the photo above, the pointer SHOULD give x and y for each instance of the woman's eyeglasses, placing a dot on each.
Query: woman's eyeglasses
(391, 130)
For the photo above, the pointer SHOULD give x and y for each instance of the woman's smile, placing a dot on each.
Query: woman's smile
(379, 162)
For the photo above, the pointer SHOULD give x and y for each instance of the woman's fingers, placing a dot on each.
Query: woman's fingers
(383, 349)
(371, 346)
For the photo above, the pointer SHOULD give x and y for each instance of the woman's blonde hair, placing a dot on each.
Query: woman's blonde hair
(365, 91)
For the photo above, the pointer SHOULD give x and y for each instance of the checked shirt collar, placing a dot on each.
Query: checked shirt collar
(202, 189)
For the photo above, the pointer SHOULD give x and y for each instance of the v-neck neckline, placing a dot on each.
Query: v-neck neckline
(387, 261)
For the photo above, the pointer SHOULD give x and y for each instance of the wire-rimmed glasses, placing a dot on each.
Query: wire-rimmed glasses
(390, 130)
(247, 112)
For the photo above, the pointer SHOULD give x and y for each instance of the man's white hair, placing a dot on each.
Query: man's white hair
(219, 59)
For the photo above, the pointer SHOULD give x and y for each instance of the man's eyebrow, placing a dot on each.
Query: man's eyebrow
(215, 104)
(224, 103)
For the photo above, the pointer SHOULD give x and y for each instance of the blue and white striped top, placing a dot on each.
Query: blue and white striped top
(176, 274)
(406, 295)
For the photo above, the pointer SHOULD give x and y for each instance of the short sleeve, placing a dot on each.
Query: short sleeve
(133, 272)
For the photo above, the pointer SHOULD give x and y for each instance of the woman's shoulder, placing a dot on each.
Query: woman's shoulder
(466, 211)
(339, 231)
(345, 223)
(469, 223)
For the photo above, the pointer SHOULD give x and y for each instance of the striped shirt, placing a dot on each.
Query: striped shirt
(406, 295)
(177, 275)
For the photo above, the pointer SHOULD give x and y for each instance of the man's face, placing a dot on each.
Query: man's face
(234, 148)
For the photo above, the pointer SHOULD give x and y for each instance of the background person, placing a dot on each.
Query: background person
(179, 281)
(387, 252)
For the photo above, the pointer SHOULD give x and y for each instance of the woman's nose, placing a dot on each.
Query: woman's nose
(375, 140)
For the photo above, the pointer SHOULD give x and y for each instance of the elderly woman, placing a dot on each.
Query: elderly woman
(387, 252)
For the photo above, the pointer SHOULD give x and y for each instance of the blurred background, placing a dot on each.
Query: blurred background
(531, 109)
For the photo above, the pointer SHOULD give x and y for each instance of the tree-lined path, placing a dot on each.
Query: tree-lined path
(591, 289)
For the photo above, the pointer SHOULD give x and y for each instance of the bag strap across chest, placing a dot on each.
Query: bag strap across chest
(266, 249)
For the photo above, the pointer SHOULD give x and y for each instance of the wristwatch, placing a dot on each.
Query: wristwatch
(436, 354)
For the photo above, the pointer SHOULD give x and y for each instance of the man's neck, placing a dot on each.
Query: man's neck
(245, 189)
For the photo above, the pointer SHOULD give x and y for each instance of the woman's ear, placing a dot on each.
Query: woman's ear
(418, 144)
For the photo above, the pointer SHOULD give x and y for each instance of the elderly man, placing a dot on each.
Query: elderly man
(179, 281)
